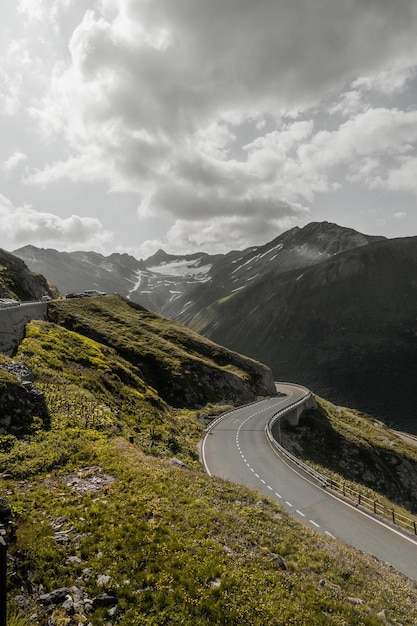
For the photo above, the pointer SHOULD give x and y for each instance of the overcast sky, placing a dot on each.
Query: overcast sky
(130, 125)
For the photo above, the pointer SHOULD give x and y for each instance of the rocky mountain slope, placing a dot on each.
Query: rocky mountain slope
(180, 286)
(18, 282)
(185, 368)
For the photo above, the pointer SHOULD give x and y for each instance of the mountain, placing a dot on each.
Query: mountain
(238, 271)
(153, 283)
(180, 286)
(345, 327)
(77, 271)
(288, 303)
(18, 282)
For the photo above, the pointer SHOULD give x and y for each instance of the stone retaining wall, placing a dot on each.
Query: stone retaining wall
(13, 321)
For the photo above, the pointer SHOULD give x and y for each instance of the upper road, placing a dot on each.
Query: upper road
(236, 448)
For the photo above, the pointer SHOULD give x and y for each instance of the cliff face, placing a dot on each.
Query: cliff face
(17, 282)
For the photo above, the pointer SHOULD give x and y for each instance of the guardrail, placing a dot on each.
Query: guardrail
(327, 483)
(268, 431)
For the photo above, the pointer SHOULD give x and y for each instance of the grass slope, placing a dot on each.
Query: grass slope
(186, 369)
(359, 451)
(99, 513)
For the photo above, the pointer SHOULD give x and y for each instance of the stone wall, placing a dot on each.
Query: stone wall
(13, 321)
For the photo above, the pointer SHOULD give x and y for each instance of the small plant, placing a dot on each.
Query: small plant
(16, 617)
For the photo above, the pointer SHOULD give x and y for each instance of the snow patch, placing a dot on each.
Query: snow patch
(181, 268)
(139, 276)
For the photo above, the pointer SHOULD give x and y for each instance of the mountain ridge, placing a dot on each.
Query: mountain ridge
(289, 302)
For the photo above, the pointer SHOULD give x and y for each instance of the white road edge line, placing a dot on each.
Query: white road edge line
(351, 506)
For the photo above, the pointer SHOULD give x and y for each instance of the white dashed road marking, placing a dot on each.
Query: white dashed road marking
(278, 495)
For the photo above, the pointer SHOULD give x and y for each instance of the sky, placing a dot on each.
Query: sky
(204, 125)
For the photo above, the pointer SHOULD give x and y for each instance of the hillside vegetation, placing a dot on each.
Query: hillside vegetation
(116, 521)
(356, 450)
(187, 369)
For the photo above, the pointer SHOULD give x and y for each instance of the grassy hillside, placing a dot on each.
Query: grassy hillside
(135, 533)
(356, 450)
(186, 369)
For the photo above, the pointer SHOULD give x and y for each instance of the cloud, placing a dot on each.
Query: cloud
(388, 81)
(401, 177)
(147, 79)
(22, 225)
(12, 162)
(212, 112)
(220, 234)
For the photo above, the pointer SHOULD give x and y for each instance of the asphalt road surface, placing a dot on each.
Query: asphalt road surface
(237, 449)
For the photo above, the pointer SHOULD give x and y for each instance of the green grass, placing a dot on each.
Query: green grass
(16, 617)
(176, 546)
(187, 369)
(359, 451)
(181, 548)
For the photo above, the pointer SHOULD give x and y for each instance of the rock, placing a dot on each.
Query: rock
(104, 599)
(20, 403)
(87, 572)
(55, 597)
(74, 560)
(103, 579)
(68, 605)
(22, 602)
(279, 562)
(63, 536)
(180, 463)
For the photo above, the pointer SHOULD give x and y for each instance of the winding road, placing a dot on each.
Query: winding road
(236, 448)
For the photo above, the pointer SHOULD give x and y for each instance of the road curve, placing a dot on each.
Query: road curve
(236, 449)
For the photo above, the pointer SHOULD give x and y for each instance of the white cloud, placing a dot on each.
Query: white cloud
(13, 161)
(22, 225)
(215, 113)
(388, 81)
(401, 178)
(349, 103)
(174, 70)
(219, 234)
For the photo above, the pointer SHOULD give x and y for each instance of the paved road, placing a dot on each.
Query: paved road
(237, 449)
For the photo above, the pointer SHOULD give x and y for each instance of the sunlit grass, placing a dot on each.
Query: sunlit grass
(174, 545)
(356, 450)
